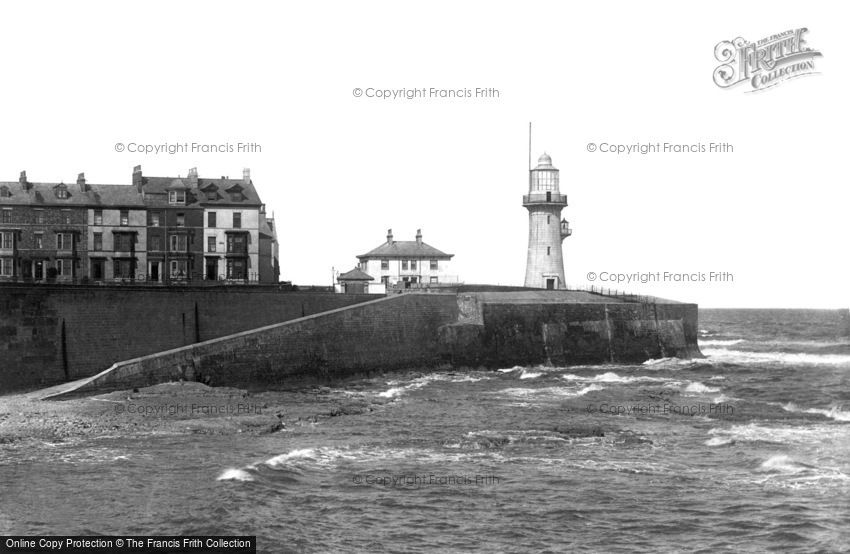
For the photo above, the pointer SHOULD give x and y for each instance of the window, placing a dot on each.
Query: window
(212, 195)
(62, 193)
(98, 242)
(177, 243)
(434, 265)
(385, 265)
(7, 240)
(385, 280)
(7, 216)
(434, 279)
(236, 244)
(181, 220)
(548, 219)
(5, 192)
(236, 268)
(123, 269)
(178, 268)
(177, 197)
(125, 217)
(211, 219)
(39, 217)
(64, 241)
(6, 266)
(237, 220)
(39, 240)
(210, 244)
(98, 217)
(236, 197)
(66, 216)
(123, 242)
(413, 264)
(404, 264)
(548, 250)
(63, 267)
(155, 243)
(154, 219)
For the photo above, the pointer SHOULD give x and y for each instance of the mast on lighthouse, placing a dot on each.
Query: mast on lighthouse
(546, 229)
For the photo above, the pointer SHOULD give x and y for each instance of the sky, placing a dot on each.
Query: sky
(338, 169)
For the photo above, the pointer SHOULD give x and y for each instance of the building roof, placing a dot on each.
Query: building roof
(44, 194)
(155, 193)
(115, 195)
(355, 274)
(199, 191)
(405, 249)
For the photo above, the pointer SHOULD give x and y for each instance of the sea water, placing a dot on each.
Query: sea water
(746, 450)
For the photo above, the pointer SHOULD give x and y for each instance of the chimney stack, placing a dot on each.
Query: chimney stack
(81, 182)
(246, 175)
(23, 180)
(389, 236)
(419, 236)
(137, 177)
(193, 175)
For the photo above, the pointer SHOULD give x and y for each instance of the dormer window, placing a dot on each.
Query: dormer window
(212, 195)
(236, 197)
(62, 192)
(177, 197)
(5, 192)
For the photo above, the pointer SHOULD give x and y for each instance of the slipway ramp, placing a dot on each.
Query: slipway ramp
(386, 333)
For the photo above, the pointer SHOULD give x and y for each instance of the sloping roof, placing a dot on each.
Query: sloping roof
(115, 195)
(405, 249)
(156, 189)
(355, 274)
(44, 194)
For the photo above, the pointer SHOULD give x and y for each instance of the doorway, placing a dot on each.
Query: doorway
(212, 269)
(550, 284)
(154, 272)
(97, 270)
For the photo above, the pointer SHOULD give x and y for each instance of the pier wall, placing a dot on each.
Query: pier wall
(420, 330)
(103, 325)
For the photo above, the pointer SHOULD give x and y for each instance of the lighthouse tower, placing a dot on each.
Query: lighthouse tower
(546, 229)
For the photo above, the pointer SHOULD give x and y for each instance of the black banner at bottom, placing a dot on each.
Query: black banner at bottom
(102, 544)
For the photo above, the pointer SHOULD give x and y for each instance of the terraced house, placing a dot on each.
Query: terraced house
(158, 230)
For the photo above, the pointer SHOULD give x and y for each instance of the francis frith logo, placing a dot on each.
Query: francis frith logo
(765, 63)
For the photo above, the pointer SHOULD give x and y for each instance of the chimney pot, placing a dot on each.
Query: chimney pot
(418, 236)
(137, 178)
(389, 236)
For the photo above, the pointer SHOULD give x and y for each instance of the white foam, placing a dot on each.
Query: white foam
(233, 474)
(611, 377)
(293, 455)
(392, 393)
(698, 388)
(742, 357)
(589, 388)
(720, 342)
(719, 441)
(518, 392)
(511, 369)
(833, 412)
(529, 374)
(782, 435)
(784, 464)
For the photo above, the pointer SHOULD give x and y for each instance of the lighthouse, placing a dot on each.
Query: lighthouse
(546, 230)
